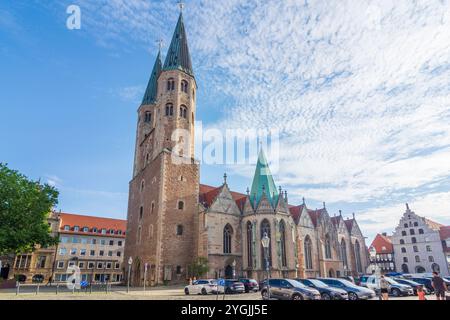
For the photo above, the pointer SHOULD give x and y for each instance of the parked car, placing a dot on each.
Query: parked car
(287, 289)
(354, 292)
(426, 282)
(201, 286)
(351, 279)
(413, 284)
(396, 289)
(250, 284)
(326, 292)
(232, 286)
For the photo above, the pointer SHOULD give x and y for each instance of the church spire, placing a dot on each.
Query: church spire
(263, 181)
(152, 87)
(178, 56)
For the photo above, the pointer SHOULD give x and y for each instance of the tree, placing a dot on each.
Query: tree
(24, 208)
(199, 267)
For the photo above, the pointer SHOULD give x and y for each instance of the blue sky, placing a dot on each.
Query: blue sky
(359, 92)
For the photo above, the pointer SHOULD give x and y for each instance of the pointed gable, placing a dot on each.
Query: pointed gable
(281, 204)
(382, 244)
(296, 212)
(264, 205)
(223, 201)
(263, 182)
(178, 56)
(152, 86)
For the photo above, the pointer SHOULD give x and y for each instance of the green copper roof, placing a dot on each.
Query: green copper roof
(178, 57)
(263, 182)
(152, 87)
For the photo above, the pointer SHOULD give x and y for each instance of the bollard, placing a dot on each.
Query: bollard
(37, 289)
(17, 288)
(57, 288)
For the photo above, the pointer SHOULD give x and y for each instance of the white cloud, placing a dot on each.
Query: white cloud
(132, 94)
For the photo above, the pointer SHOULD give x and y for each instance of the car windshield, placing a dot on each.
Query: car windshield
(318, 283)
(348, 283)
(295, 283)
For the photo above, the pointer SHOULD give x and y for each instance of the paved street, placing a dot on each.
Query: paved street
(119, 293)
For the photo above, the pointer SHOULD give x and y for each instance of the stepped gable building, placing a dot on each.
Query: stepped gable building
(420, 245)
(173, 219)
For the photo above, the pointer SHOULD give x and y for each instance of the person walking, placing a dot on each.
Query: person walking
(439, 286)
(384, 288)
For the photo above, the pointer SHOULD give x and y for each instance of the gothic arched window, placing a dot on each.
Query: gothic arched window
(169, 109)
(358, 256)
(227, 236)
(327, 247)
(283, 243)
(402, 241)
(344, 253)
(413, 240)
(308, 253)
(170, 84)
(250, 244)
(403, 250)
(183, 111)
(265, 229)
(180, 205)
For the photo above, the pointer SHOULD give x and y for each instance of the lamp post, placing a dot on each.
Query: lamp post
(130, 261)
(265, 241)
(234, 269)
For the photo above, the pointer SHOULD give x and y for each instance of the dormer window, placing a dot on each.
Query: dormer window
(76, 228)
(85, 229)
(94, 229)
(111, 231)
(169, 109)
(183, 111)
(184, 86)
(170, 84)
(66, 228)
(148, 117)
(119, 232)
(103, 231)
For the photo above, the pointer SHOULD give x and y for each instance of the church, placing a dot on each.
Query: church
(173, 219)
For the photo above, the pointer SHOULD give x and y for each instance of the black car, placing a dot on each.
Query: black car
(287, 289)
(250, 284)
(415, 285)
(327, 292)
(233, 286)
(426, 282)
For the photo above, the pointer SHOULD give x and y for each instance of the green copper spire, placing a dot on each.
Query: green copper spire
(263, 182)
(152, 87)
(178, 57)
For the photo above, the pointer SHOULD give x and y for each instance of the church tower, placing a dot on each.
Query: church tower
(163, 197)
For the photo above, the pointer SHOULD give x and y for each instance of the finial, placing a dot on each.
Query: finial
(340, 213)
(407, 206)
(263, 188)
(353, 216)
(303, 200)
(285, 194)
(324, 206)
(225, 178)
(248, 191)
(160, 43)
(181, 5)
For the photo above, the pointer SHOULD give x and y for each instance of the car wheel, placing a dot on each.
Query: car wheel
(352, 296)
(297, 297)
(265, 295)
(326, 296)
(396, 292)
(204, 292)
(186, 291)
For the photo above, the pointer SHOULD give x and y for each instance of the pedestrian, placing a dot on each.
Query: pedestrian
(421, 293)
(384, 288)
(439, 286)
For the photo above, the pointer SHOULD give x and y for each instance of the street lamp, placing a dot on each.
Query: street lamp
(265, 241)
(130, 261)
(234, 269)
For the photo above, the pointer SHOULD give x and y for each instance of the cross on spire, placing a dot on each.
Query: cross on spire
(181, 5)
(225, 178)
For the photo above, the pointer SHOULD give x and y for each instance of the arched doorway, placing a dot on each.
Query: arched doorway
(228, 272)
(420, 269)
(435, 267)
(136, 272)
(331, 273)
(405, 268)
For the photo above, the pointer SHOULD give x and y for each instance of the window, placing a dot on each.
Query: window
(405, 259)
(327, 247)
(66, 228)
(416, 224)
(405, 225)
(103, 231)
(403, 233)
(183, 111)
(81, 265)
(139, 233)
(111, 242)
(308, 253)
(103, 242)
(428, 248)
(344, 253)
(411, 231)
(64, 239)
(119, 232)
(148, 117)
(417, 258)
(82, 252)
(110, 253)
(402, 241)
(142, 185)
(76, 228)
(153, 207)
(84, 240)
(41, 262)
(60, 264)
(403, 250)
(85, 229)
(99, 265)
(62, 251)
(119, 253)
(227, 236)
(76, 240)
(111, 231)
(179, 230)
(180, 205)
(430, 259)
(420, 231)
(283, 243)
(73, 251)
(117, 265)
(94, 230)
(170, 84)
(119, 243)
(358, 256)
(265, 229)
(150, 231)
(92, 253)
(415, 249)
(108, 265)
(169, 109)
(91, 265)
(249, 244)
(413, 240)
(101, 253)
(184, 86)
(178, 269)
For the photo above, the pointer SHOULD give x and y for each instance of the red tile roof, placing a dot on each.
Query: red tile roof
(296, 212)
(314, 214)
(335, 220)
(349, 224)
(381, 242)
(207, 195)
(72, 220)
(433, 224)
